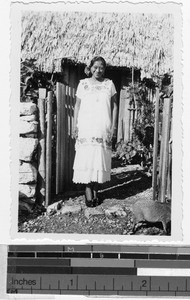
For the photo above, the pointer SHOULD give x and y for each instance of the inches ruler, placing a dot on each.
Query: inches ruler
(99, 270)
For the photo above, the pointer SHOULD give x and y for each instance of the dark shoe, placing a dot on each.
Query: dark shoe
(96, 202)
(89, 203)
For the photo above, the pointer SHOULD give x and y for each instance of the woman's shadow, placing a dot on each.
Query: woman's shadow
(125, 182)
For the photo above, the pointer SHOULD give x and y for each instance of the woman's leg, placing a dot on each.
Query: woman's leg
(95, 190)
(88, 192)
(89, 195)
(96, 199)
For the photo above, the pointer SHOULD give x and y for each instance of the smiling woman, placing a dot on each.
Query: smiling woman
(94, 128)
(96, 68)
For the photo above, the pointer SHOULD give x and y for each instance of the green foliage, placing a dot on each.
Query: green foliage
(132, 152)
(139, 149)
(144, 123)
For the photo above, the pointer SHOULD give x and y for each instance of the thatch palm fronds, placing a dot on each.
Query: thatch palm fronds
(143, 41)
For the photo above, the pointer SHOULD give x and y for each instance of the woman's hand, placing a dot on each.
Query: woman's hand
(113, 132)
(114, 117)
(75, 132)
(76, 111)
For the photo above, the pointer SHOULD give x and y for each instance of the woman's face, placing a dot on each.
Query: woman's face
(97, 70)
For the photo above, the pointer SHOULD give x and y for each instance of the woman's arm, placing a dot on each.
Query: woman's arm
(114, 115)
(75, 122)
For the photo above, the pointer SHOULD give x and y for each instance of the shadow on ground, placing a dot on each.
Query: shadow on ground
(127, 181)
(122, 185)
(125, 185)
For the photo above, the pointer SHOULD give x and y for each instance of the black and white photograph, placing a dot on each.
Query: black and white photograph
(98, 112)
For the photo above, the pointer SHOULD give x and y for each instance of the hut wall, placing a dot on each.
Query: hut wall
(122, 133)
(124, 117)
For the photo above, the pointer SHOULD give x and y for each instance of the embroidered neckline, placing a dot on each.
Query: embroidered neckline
(98, 82)
(89, 86)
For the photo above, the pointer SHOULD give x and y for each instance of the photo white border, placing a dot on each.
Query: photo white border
(5, 175)
(175, 9)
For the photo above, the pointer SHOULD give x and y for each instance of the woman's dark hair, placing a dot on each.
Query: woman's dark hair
(96, 58)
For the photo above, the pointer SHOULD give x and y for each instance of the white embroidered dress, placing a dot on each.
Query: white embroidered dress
(93, 145)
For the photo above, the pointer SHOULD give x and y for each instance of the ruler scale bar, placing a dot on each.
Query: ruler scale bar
(99, 270)
(68, 282)
(99, 293)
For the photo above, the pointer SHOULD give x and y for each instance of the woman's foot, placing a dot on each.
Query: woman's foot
(91, 199)
(92, 203)
(96, 202)
(89, 203)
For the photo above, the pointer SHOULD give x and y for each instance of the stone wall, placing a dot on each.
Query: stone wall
(27, 155)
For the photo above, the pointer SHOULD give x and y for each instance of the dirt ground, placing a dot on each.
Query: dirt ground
(113, 215)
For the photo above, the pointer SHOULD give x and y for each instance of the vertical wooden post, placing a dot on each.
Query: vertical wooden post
(155, 147)
(66, 137)
(132, 119)
(62, 95)
(151, 95)
(132, 79)
(49, 149)
(169, 181)
(58, 136)
(72, 140)
(40, 192)
(132, 108)
(123, 117)
(120, 130)
(163, 125)
(167, 109)
(136, 109)
(148, 90)
(128, 121)
(69, 133)
(61, 137)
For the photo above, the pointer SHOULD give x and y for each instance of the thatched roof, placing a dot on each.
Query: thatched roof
(143, 41)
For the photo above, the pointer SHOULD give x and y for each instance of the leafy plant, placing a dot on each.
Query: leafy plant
(132, 152)
(139, 149)
(32, 78)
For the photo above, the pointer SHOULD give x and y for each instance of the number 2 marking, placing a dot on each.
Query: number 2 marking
(144, 282)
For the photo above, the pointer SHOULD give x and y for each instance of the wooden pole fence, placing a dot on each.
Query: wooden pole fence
(41, 148)
(166, 136)
(163, 124)
(67, 127)
(58, 135)
(155, 148)
(61, 163)
(61, 137)
(49, 149)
